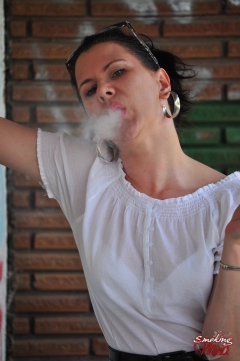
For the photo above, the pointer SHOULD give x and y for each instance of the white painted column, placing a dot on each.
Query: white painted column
(3, 208)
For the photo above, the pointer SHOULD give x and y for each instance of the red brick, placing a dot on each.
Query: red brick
(194, 7)
(51, 303)
(58, 51)
(188, 49)
(234, 49)
(47, 261)
(54, 241)
(207, 91)
(50, 347)
(100, 347)
(58, 29)
(233, 92)
(22, 241)
(42, 200)
(73, 29)
(22, 281)
(66, 325)
(22, 180)
(21, 114)
(158, 7)
(151, 29)
(50, 92)
(202, 28)
(51, 72)
(40, 220)
(20, 71)
(219, 70)
(60, 282)
(21, 325)
(49, 8)
(233, 7)
(18, 28)
(21, 199)
(61, 114)
(118, 8)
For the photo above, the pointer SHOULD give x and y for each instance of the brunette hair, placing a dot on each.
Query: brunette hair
(173, 65)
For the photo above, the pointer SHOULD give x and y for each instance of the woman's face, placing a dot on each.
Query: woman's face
(110, 77)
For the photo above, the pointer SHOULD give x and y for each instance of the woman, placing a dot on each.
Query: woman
(149, 222)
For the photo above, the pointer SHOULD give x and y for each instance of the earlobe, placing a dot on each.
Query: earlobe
(164, 84)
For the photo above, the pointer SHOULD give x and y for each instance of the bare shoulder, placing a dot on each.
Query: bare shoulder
(213, 176)
(205, 175)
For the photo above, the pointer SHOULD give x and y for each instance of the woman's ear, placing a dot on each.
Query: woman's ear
(164, 83)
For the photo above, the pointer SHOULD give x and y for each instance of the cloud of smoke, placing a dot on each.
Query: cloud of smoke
(107, 126)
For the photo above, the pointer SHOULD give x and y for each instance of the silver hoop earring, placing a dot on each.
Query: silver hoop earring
(107, 150)
(166, 112)
(176, 109)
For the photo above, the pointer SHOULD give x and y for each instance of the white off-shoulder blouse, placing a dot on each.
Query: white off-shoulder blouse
(149, 263)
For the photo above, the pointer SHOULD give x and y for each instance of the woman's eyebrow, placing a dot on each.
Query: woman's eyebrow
(104, 69)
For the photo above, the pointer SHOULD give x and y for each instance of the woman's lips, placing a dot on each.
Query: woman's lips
(119, 106)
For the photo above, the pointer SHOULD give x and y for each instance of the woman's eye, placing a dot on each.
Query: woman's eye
(91, 91)
(119, 72)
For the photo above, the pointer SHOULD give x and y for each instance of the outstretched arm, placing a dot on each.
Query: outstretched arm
(18, 148)
(223, 314)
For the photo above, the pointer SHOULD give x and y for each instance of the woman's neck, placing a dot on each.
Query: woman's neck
(156, 167)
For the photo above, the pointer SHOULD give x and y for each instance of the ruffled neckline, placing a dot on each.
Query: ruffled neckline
(207, 189)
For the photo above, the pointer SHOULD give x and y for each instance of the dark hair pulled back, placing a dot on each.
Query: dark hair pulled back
(172, 64)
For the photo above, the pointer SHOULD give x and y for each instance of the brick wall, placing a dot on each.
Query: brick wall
(49, 313)
(3, 204)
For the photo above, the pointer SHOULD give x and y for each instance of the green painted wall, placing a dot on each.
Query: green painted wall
(213, 136)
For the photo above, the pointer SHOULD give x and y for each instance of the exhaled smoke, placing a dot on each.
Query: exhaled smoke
(107, 126)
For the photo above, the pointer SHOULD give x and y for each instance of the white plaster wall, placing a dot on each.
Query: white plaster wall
(3, 213)
(2, 52)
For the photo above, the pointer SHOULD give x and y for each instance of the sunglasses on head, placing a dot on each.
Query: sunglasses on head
(71, 59)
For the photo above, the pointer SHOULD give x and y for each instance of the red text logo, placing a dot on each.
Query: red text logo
(216, 345)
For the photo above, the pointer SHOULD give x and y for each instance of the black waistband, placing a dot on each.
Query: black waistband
(115, 355)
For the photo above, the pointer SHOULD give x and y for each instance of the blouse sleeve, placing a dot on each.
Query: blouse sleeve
(227, 201)
(64, 164)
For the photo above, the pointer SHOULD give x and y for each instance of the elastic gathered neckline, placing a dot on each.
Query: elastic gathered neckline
(171, 207)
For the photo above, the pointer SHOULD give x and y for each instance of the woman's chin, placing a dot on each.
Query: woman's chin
(125, 136)
(126, 130)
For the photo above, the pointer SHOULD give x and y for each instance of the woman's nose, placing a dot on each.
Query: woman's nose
(105, 92)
